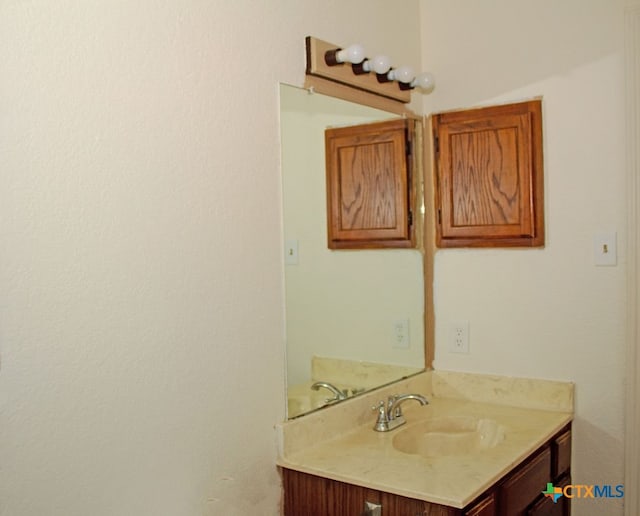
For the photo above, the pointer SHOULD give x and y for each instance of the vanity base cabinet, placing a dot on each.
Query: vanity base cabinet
(525, 484)
(485, 507)
(310, 495)
(546, 507)
(519, 493)
(394, 505)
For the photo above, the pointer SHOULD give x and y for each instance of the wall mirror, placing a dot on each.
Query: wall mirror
(354, 318)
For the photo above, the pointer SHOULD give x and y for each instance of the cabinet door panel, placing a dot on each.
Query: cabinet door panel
(524, 486)
(489, 171)
(394, 505)
(347, 499)
(304, 494)
(562, 449)
(485, 507)
(368, 185)
(545, 506)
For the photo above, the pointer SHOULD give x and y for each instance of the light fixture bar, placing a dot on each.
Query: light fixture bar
(344, 73)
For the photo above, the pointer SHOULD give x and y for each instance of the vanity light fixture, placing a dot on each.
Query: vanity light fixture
(379, 65)
(353, 54)
(425, 81)
(350, 66)
(404, 75)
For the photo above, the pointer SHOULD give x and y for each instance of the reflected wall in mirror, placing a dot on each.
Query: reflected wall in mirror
(354, 319)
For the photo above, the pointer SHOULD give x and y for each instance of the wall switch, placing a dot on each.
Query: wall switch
(605, 250)
(459, 337)
(400, 337)
(291, 252)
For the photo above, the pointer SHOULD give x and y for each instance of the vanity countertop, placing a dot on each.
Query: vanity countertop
(364, 457)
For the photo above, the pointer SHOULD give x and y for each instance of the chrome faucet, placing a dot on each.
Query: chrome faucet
(338, 394)
(390, 413)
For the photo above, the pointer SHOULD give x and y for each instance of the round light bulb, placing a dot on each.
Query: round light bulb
(425, 81)
(352, 54)
(379, 64)
(403, 74)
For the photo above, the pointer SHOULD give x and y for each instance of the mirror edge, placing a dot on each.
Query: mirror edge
(426, 242)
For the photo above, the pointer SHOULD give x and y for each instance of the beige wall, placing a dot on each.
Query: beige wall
(141, 290)
(546, 313)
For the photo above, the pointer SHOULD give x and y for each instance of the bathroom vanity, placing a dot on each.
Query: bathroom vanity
(483, 446)
(518, 492)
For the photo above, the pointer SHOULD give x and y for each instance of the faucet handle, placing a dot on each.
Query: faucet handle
(382, 422)
(381, 408)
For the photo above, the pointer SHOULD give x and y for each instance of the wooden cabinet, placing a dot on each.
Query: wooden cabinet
(317, 496)
(525, 484)
(370, 195)
(545, 506)
(489, 176)
(517, 493)
(310, 495)
(487, 506)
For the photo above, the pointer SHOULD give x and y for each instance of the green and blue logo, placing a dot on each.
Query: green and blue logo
(583, 491)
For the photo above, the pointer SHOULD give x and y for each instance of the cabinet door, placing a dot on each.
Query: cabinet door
(562, 454)
(489, 176)
(485, 507)
(545, 506)
(310, 495)
(525, 484)
(369, 186)
(304, 494)
(394, 505)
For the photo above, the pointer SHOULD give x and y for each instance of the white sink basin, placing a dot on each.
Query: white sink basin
(446, 436)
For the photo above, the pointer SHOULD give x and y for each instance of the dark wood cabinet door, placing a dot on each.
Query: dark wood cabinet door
(369, 186)
(394, 505)
(545, 506)
(304, 494)
(562, 454)
(485, 507)
(311, 495)
(489, 175)
(525, 484)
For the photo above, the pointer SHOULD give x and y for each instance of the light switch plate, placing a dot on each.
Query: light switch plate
(291, 252)
(605, 250)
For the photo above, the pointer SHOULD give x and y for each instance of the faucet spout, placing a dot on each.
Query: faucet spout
(390, 414)
(337, 393)
(394, 411)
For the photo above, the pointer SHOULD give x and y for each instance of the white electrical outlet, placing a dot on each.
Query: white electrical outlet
(459, 337)
(400, 333)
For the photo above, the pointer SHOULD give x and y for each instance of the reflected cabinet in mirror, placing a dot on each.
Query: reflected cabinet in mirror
(354, 318)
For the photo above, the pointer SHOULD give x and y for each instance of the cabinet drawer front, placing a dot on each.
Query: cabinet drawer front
(525, 484)
(485, 507)
(562, 454)
(545, 506)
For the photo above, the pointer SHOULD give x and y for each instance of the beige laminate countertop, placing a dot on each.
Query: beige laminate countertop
(367, 458)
